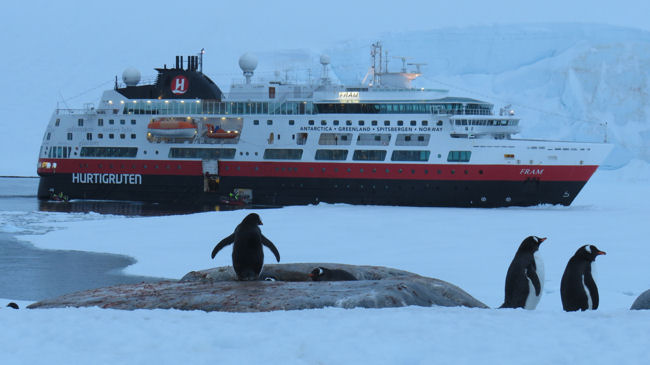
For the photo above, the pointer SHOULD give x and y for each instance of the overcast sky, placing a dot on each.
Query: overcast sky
(71, 50)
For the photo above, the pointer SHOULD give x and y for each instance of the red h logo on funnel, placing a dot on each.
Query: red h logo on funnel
(180, 85)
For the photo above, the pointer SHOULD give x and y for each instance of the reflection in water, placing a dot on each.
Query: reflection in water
(29, 273)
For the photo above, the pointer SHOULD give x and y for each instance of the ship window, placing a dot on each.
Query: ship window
(338, 155)
(336, 122)
(100, 135)
(410, 155)
(108, 152)
(269, 122)
(348, 122)
(311, 122)
(132, 121)
(122, 136)
(400, 122)
(386, 122)
(48, 136)
(369, 155)
(334, 139)
(111, 135)
(412, 139)
(256, 122)
(58, 121)
(111, 121)
(459, 156)
(282, 154)
(202, 153)
(89, 136)
(361, 122)
(302, 139)
(100, 122)
(132, 135)
(69, 136)
(122, 121)
(439, 123)
(80, 122)
(323, 122)
(413, 123)
(374, 122)
(373, 139)
(292, 122)
(425, 122)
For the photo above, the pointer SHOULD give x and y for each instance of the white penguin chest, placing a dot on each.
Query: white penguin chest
(533, 299)
(590, 302)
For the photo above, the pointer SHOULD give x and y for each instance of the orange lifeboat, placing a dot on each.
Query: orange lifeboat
(172, 128)
(220, 133)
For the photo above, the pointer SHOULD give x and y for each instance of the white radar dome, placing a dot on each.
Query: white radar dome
(324, 59)
(247, 62)
(131, 76)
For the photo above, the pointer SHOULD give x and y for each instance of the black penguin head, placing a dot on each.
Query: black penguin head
(589, 252)
(252, 219)
(13, 305)
(317, 273)
(531, 243)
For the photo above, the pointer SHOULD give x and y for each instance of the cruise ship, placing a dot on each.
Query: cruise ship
(180, 139)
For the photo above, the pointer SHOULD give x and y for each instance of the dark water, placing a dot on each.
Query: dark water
(29, 273)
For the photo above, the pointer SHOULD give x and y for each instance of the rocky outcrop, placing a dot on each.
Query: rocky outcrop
(216, 290)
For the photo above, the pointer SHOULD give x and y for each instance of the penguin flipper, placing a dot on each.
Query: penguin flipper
(593, 290)
(266, 242)
(532, 275)
(224, 242)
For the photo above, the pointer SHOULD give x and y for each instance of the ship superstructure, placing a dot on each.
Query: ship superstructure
(181, 139)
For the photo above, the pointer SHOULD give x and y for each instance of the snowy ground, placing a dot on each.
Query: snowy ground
(471, 248)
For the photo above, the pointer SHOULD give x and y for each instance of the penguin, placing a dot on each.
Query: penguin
(13, 305)
(324, 274)
(525, 276)
(247, 252)
(578, 288)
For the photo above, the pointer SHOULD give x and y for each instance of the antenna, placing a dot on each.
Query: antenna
(403, 61)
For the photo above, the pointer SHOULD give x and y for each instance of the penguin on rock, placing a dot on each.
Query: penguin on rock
(324, 274)
(578, 288)
(247, 252)
(525, 276)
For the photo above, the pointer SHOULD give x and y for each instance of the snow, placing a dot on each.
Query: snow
(471, 248)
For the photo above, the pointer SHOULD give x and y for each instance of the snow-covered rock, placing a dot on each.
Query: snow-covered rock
(216, 290)
(642, 301)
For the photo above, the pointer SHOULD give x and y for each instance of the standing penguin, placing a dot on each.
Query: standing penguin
(247, 252)
(525, 277)
(578, 288)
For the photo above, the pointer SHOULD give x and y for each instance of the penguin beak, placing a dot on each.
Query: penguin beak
(542, 239)
(602, 253)
(311, 275)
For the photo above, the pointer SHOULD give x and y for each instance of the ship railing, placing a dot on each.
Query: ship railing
(462, 111)
(86, 111)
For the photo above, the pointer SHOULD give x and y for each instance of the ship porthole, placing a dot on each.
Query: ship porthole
(483, 199)
(508, 199)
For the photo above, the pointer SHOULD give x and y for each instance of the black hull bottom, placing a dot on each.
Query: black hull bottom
(301, 191)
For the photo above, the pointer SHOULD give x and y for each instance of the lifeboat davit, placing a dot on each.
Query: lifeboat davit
(220, 133)
(172, 128)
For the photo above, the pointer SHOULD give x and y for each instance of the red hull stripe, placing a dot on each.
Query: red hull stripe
(406, 171)
(342, 170)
